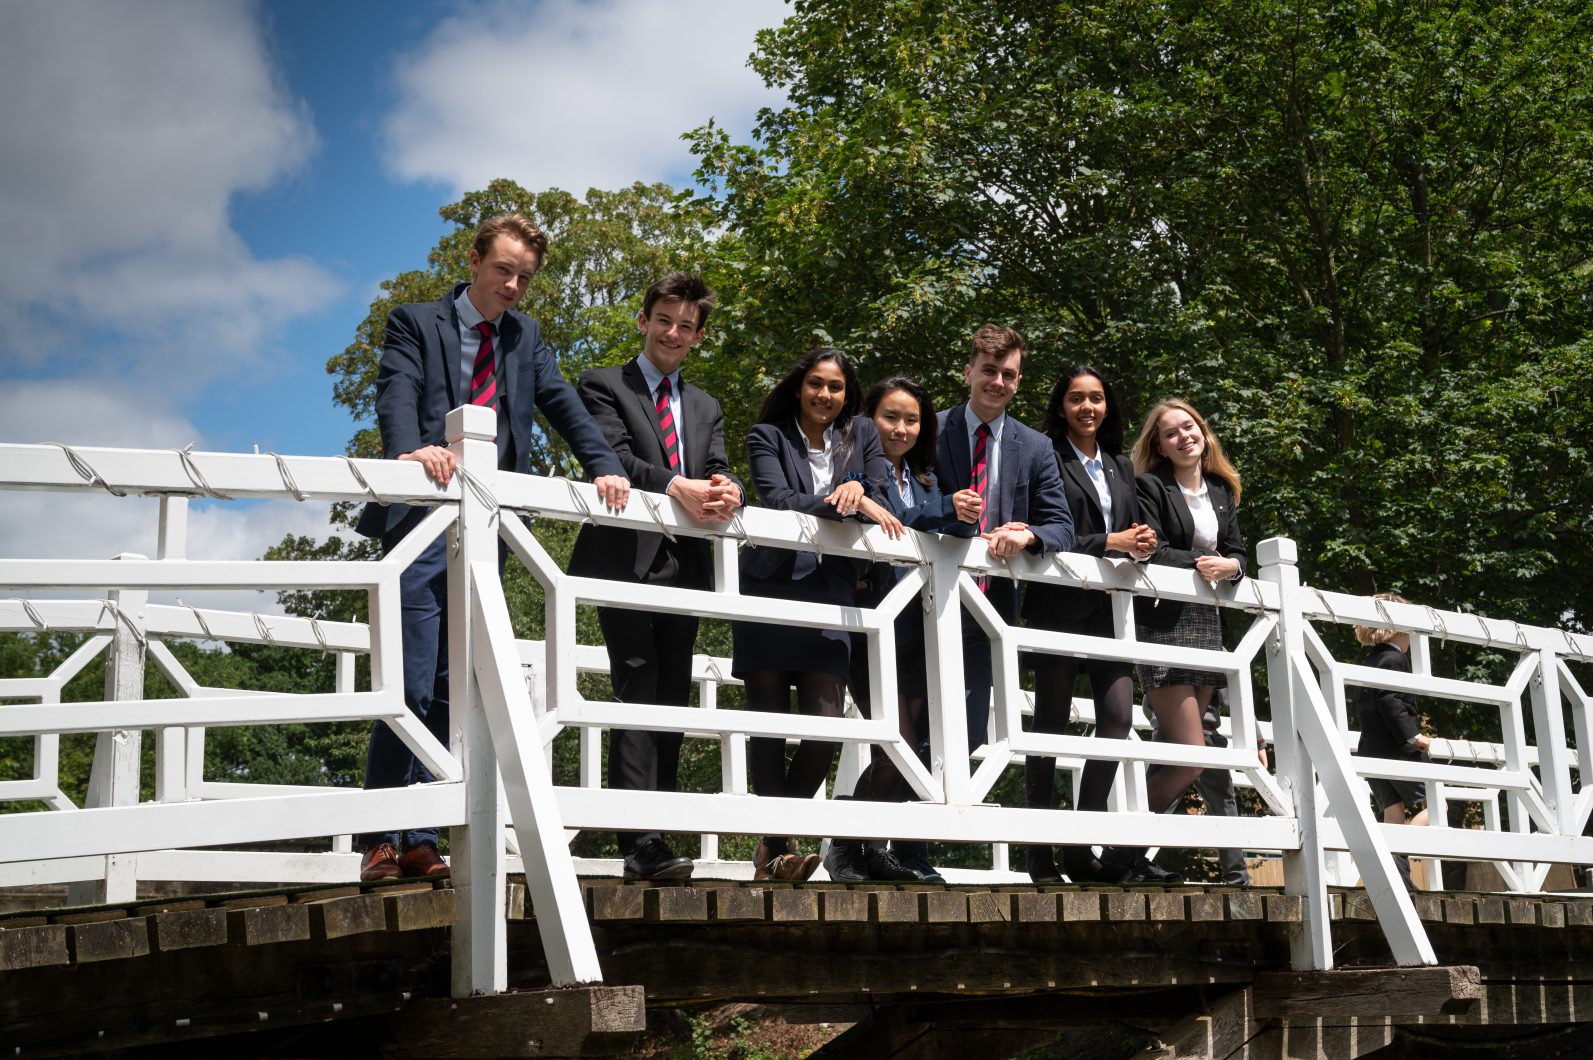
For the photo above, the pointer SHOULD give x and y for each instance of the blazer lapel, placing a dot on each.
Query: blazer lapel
(957, 445)
(636, 383)
(448, 341)
(692, 409)
(1123, 496)
(1179, 506)
(1074, 469)
(1010, 471)
(799, 455)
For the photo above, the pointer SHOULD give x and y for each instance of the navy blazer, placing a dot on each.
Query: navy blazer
(1045, 605)
(418, 384)
(778, 454)
(620, 402)
(1162, 504)
(1389, 719)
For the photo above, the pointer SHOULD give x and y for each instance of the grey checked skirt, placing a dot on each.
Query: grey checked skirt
(1198, 626)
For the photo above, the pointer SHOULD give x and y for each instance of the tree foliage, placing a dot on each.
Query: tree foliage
(1355, 233)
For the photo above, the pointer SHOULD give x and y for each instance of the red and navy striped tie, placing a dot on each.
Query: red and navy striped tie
(483, 381)
(666, 425)
(981, 482)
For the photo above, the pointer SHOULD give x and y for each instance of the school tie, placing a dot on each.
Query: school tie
(483, 381)
(666, 425)
(980, 483)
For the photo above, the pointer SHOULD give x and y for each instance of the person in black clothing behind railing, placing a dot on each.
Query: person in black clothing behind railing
(1391, 728)
(1189, 494)
(810, 452)
(904, 415)
(1085, 426)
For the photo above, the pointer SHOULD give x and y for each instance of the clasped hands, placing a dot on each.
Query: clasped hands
(711, 500)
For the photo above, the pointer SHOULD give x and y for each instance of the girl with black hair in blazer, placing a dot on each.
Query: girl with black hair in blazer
(904, 417)
(810, 452)
(1085, 425)
(1189, 494)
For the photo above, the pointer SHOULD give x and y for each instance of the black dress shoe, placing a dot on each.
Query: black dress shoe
(914, 857)
(844, 862)
(653, 860)
(1041, 865)
(882, 865)
(1082, 866)
(1145, 870)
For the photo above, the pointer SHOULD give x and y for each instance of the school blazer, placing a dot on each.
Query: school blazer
(1045, 604)
(1162, 507)
(1389, 720)
(778, 455)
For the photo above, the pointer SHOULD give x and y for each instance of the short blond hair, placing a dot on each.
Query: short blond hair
(1370, 635)
(515, 226)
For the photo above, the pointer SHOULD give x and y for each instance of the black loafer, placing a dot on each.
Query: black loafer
(653, 860)
(844, 862)
(1145, 870)
(914, 857)
(1041, 865)
(882, 865)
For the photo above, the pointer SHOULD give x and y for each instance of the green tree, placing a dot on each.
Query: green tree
(1354, 233)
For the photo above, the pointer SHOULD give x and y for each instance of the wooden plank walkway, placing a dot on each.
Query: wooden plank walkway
(208, 966)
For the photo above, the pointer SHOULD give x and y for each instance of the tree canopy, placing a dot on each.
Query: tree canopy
(1353, 233)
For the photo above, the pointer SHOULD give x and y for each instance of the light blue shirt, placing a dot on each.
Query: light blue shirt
(1097, 473)
(992, 457)
(470, 341)
(654, 377)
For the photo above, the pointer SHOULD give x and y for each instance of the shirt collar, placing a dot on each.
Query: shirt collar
(1085, 460)
(653, 376)
(469, 315)
(995, 426)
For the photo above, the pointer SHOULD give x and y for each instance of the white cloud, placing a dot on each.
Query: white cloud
(128, 131)
(574, 94)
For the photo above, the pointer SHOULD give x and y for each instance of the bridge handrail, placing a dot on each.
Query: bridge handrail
(517, 698)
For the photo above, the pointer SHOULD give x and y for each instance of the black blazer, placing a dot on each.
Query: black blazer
(418, 384)
(1389, 720)
(778, 454)
(1162, 507)
(1046, 605)
(619, 401)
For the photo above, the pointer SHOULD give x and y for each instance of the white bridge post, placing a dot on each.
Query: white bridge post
(1304, 870)
(480, 943)
(113, 781)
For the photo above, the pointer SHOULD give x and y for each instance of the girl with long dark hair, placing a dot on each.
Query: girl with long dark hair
(810, 452)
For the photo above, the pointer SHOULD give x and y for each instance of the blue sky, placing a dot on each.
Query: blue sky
(198, 199)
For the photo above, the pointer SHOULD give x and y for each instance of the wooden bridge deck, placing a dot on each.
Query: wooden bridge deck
(374, 961)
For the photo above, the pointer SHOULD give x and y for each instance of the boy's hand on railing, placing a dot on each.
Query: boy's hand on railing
(1422, 742)
(710, 499)
(438, 462)
(614, 491)
(1008, 540)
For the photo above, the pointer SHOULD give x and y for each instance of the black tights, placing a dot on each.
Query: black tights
(818, 694)
(1112, 686)
(880, 780)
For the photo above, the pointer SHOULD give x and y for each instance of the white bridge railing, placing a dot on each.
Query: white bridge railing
(511, 698)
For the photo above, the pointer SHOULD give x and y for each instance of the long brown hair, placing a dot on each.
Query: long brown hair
(1148, 455)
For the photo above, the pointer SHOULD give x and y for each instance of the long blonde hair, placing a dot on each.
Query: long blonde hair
(1148, 455)
(1370, 635)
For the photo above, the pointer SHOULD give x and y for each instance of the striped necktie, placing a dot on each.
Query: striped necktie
(483, 381)
(666, 425)
(980, 484)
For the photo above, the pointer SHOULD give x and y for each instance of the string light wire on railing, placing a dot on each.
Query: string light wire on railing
(320, 635)
(1320, 595)
(658, 517)
(264, 628)
(578, 500)
(287, 477)
(483, 494)
(196, 476)
(366, 486)
(1438, 620)
(808, 530)
(33, 615)
(199, 618)
(86, 470)
(118, 615)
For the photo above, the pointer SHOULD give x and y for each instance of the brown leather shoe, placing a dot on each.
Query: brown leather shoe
(422, 861)
(794, 867)
(761, 861)
(381, 863)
